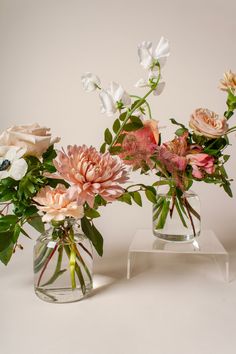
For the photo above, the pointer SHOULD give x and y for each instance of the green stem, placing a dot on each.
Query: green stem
(72, 259)
(147, 104)
(46, 263)
(129, 112)
(58, 270)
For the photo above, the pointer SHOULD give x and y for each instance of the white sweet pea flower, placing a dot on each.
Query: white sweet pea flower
(152, 79)
(148, 57)
(11, 162)
(90, 82)
(114, 98)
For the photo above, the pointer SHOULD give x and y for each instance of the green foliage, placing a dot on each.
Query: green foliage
(125, 198)
(91, 213)
(114, 150)
(180, 131)
(150, 193)
(116, 126)
(103, 148)
(173, 121)
(136, 196)
(134, 124)
(108, 137)
(93, 235)
(36, 222)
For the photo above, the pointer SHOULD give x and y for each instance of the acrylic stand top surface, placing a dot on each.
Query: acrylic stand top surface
(206, 243)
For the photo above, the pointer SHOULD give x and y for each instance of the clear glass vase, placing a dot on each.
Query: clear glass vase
(63, 264)
(176, 215)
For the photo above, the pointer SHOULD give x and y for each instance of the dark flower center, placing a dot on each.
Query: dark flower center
(5, 165)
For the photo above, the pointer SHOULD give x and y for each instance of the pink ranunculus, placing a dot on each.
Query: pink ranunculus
(207, 123)
(57, 203)
(91, 173)
(201, 164)
(138, 146)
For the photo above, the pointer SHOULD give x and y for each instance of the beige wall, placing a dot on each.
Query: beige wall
(46, 45)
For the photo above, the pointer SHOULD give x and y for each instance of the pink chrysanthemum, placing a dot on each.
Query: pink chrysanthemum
(91, 173)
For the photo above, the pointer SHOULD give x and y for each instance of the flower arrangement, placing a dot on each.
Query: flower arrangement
(196, 153)
(40, 185)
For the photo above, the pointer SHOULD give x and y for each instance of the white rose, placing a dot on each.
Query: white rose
(90, 82)
(11, 162)
(33, 138)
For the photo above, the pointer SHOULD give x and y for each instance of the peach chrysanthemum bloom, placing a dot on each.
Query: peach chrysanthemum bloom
(228, 82)
(91, 173)
(57, 204)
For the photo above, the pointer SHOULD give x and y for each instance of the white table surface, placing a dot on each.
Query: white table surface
(180, 305)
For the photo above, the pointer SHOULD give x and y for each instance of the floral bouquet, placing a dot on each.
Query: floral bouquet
(64, 188)
(195, 154)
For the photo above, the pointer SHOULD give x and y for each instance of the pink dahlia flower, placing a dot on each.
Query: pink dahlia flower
(201, 163)
(57, 204)
(138, 146)
(91, 173)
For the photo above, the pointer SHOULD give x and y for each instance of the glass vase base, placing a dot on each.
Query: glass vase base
(62, 295)
(175, 238)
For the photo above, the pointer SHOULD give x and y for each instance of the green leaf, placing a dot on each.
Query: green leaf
(129, 127)
(180, 131)
(116, 126)
(53, 182)
(6, 254)
(50, 154)
(108, 136)
(173, 121)
(16, 233)
(103, 148)
(99, 201)
(114, 150)
(136, 197)
(93, 235)
(163, 215)
(36, 222)
(92, 213)
(123, 116)
(136, 120)
(226, 158)
(7, 222)
(5, 240)
(120, 138)
(126, 198)
(228, 190)
(151, 196)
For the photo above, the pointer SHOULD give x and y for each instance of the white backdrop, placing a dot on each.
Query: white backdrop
(46, 45)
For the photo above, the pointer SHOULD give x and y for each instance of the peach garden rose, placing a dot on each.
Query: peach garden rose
(208, 123)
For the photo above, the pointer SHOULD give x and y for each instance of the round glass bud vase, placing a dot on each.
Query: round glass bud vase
(176, 215)
(63, 263)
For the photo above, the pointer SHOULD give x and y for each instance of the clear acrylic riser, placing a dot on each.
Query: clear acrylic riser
(206, 244)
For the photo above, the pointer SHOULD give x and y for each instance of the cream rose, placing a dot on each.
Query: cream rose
(35, 139)
(207, 123)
